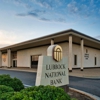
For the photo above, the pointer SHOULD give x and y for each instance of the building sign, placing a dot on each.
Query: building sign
(86, 56)
(52, 70)
(57, 53)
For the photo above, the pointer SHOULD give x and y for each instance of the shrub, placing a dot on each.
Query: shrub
(17, 96)
(41, 93)
(5, 92)
(36, 93)
(15, 83)
(4, 89)
(6, 96)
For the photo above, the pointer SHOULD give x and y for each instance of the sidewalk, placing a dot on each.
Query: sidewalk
(21, 69)
(86, 73)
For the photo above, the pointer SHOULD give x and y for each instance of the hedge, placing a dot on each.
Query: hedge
(4, 89)
(41, 93)
(37, 93)
(14, 90)
(15, 83)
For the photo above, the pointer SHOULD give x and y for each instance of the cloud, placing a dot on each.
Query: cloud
(99, 11)
(61, 20)
(44, 3)
(7, 38)
(98, 37)
(39, 11)
(42, 16)
(11, 37)
(43, 10)
(84, 8)
(45, 19)
(21, 14)
(47, 10)
(30, 3)
(72, 7)
(50, 4)
(32, 14)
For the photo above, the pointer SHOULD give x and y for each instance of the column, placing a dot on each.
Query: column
(0, 59)
(9, 57)
(70, 53)
(82, 54)
(52, 41)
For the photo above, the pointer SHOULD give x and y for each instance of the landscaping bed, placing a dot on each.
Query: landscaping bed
(13, 89)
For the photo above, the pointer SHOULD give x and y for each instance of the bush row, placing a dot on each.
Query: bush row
(15, 83)
(34, 93)
(13, 89)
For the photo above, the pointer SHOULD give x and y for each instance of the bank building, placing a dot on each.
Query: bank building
(81, 50)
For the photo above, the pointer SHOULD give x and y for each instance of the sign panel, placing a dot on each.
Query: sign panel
(86, 56)
(51, 72)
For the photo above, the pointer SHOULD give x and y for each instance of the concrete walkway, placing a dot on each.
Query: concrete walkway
(86, 73)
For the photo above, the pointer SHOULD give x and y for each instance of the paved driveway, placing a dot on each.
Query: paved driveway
(28, 78)
(85, 84)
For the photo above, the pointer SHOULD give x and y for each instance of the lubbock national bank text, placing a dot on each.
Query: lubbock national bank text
(54, 73)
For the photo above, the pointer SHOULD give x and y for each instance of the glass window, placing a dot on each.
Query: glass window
(75, 59)
(34, 61)
(14, 55)
(4, 57)
(86, 50)
(95, 60)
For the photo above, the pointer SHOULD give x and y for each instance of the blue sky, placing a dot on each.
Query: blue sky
(21, 20)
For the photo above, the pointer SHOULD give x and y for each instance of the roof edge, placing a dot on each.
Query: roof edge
(50, 35)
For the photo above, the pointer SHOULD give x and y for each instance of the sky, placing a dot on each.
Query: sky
(22, 20)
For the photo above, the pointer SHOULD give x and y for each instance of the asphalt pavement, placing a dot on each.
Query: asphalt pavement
(28, 78)
(89, 85)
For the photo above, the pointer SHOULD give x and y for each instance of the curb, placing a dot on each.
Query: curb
(27, 85)
(92, 97)
(18, 70)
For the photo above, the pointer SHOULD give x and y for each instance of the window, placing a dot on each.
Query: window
(95, 60)
(4, 57)
(86, 50)
(14, 55)
(75, 59)
(34, 61)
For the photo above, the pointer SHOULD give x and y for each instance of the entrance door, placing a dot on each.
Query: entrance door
(14, 63)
